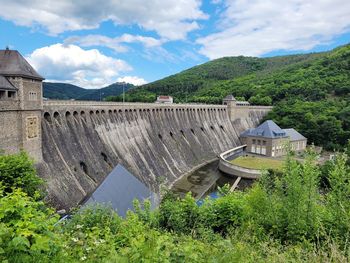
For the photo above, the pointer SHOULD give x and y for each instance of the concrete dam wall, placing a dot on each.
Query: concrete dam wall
(83, 141)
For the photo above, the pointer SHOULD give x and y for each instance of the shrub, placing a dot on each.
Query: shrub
(17, 171)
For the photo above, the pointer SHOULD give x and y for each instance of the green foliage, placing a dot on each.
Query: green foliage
(285, 217)
(17, 171)
(310, 92)
(64, 91)
(26, 229)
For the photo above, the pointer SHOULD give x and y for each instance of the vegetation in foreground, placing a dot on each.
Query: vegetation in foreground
(285, 217)
(259, 163)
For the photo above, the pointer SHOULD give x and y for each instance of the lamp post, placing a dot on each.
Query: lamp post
(123, 92)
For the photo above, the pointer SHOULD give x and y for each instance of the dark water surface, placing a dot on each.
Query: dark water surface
(120, 187)
(205, 180)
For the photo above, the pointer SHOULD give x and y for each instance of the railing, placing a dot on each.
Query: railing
(232, 169)
(48, 103)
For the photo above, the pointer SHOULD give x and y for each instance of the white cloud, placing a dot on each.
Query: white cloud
(256, 27)
(72, 64)
(132, 80)
(171, 19)
(116, 43)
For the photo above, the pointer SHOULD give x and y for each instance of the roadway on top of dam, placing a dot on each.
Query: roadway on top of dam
(50, 105)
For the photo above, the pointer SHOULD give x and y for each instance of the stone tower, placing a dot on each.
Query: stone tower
(231, 103)
(20, 105)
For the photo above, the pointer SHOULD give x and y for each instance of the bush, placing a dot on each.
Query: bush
(26, 229)
(17, 171)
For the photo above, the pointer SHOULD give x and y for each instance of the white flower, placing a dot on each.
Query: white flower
(83, 258)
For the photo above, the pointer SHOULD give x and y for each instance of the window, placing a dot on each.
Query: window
(2, 94)
(11, 94)
(33, 95)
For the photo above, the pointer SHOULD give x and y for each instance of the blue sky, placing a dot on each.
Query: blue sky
(95, 43)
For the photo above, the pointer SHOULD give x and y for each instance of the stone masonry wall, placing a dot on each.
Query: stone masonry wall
(83, 141)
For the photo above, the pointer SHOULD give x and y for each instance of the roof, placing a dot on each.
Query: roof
(229, 97)
(6, 85)
(164, 97)
(267, 129)
(12, 63)
(294, 135)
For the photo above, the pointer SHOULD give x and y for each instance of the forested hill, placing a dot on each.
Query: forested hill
(64, 91)
(310, 92)
(190, 82)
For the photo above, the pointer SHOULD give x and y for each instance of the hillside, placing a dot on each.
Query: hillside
(64, 91)
(311, 92)
(190, 82)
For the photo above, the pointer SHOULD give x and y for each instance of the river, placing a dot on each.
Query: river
(205, 180)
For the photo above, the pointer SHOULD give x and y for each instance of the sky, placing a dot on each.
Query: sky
(93, 43)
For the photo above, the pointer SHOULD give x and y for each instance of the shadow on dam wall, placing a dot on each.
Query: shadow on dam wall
(81, 147)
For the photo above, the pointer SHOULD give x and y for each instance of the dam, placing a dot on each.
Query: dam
(76, 144)
(83, 141)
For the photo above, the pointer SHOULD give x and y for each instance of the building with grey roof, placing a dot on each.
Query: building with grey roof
(270, 140)
(20, 105)
(14, 64)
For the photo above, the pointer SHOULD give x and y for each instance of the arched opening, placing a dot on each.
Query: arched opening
(192, 131)
(102, 112)
(56, 115)
(110, 111)
(182, 132)
(91, 112)
(83, 167)
(82, 113)
(75, 114)
(47, 117)
(68, 114)
(97, 112)
(202, 129)
(104, 156)
(212, 127)
(171, 134)
(222, 127)
(160, 136)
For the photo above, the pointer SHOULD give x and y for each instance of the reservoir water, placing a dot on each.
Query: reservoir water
(121, 187)
(205, 180)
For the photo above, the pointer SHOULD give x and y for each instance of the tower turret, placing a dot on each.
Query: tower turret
(20, 105)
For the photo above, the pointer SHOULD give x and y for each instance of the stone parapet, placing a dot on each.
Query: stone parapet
(227, 167)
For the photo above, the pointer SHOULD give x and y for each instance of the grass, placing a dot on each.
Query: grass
(258, 163)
